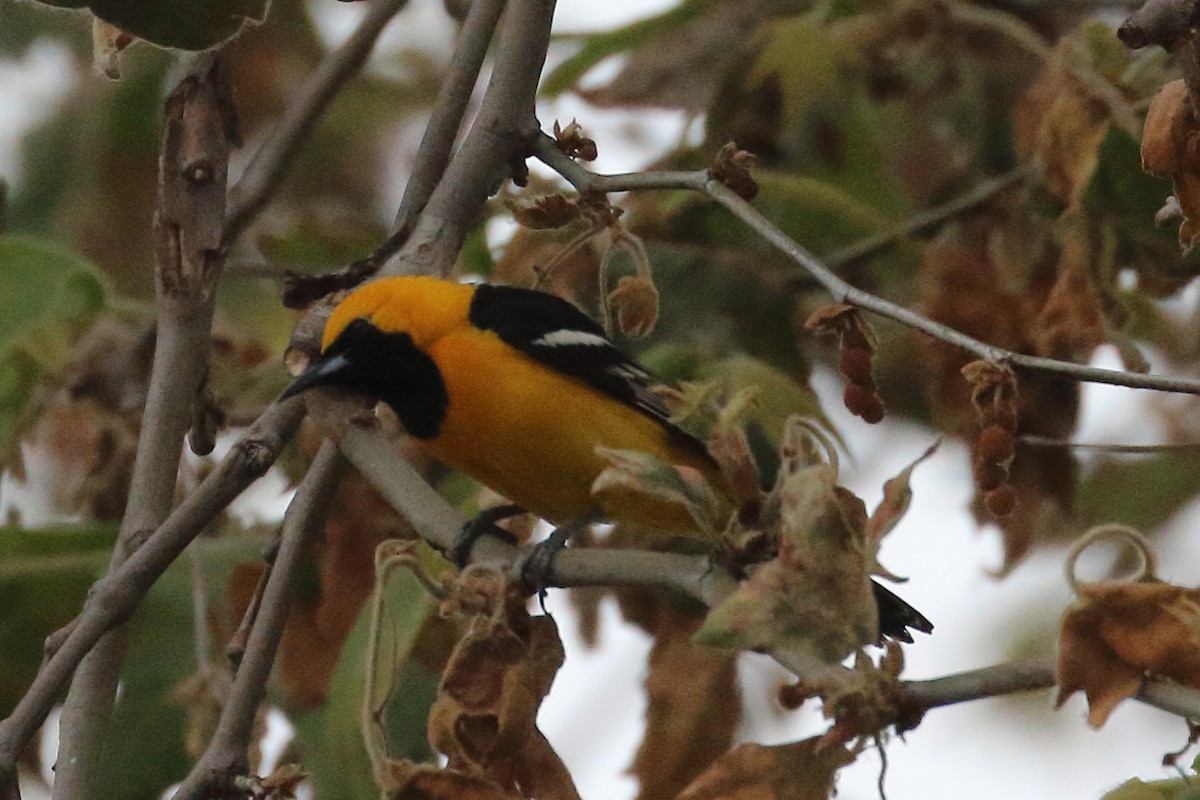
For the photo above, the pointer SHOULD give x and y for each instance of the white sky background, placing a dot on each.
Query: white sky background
(985, 749)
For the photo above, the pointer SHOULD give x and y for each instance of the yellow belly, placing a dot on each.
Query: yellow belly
(531, 434)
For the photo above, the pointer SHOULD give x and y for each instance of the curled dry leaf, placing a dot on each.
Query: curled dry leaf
(107, 42)
(815, 597)
(283, 782)
(1059, 125)
(897, 496)
(1171, 147)
(1116, 634)
(682, 486)
(635, 300)
(862, 701)
(1071, 323)
(551, 211)
(727, 443)
(409, 781)
(484, 717)
(732, 168)
(796, 771)
(572, 142)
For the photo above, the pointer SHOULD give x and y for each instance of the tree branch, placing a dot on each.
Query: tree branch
(114, 598)
(1170, 24)
(494, 149)
(262, 176)
(929, 218)
(438, 141)
(190, 208)
(302, 290)
(994, 681)
(225, 757)
(402, 487)
(842, 292)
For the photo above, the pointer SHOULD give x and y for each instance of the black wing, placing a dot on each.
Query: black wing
(556, 333)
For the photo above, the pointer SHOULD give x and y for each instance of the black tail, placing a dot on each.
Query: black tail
(897, 616)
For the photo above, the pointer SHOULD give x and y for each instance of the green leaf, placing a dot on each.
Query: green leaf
(1135, 789)
(330, 739)
(1119, 186)
(44, 281)
(183, 24)
(44, 577)
(144, 749)
(599, 46)
(1140, 491)
(48, 296)
(803, 57)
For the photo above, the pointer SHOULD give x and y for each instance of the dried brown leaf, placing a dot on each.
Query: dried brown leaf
(897, 495)
(572, 142)
(1059, 126)
(796, 771)
(1117, 633)
(424, 782)
(636, 302)
(319, 623)
(1171, 146)
(484, 718)
(815, 596)
(732, 168)
(965, 289)
(551, 211)
(693, 706)
(1071, 323)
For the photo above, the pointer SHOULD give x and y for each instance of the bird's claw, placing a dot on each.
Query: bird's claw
(482, 524)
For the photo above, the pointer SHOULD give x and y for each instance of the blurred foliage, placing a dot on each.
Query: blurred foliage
(861, 113)
(187, 24)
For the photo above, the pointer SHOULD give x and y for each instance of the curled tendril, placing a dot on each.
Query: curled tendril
(1148, 563)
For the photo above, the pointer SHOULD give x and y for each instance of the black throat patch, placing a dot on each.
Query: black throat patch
(390, 367)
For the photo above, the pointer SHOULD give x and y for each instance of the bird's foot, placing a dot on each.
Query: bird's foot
(537, 570)
(483, 524)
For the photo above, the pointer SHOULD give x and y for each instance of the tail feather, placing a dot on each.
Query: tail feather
(896, 616)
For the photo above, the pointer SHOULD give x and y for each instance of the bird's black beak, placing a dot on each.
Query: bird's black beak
(322, 372)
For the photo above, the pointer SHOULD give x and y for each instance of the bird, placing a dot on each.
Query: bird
(518, 388)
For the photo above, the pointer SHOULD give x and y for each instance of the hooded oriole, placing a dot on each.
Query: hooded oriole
(516, 388)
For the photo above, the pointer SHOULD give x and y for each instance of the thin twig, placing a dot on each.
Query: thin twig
(225, 757)
(1124, 449)
(402, 487)
(922, 221)
(114, 599)
(845, 293)
(1027, 676)
(201, 639)
(438, 141)
(842, 291)
(493, 150)
(262, 176)
(1001, 679)
(190, 207)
